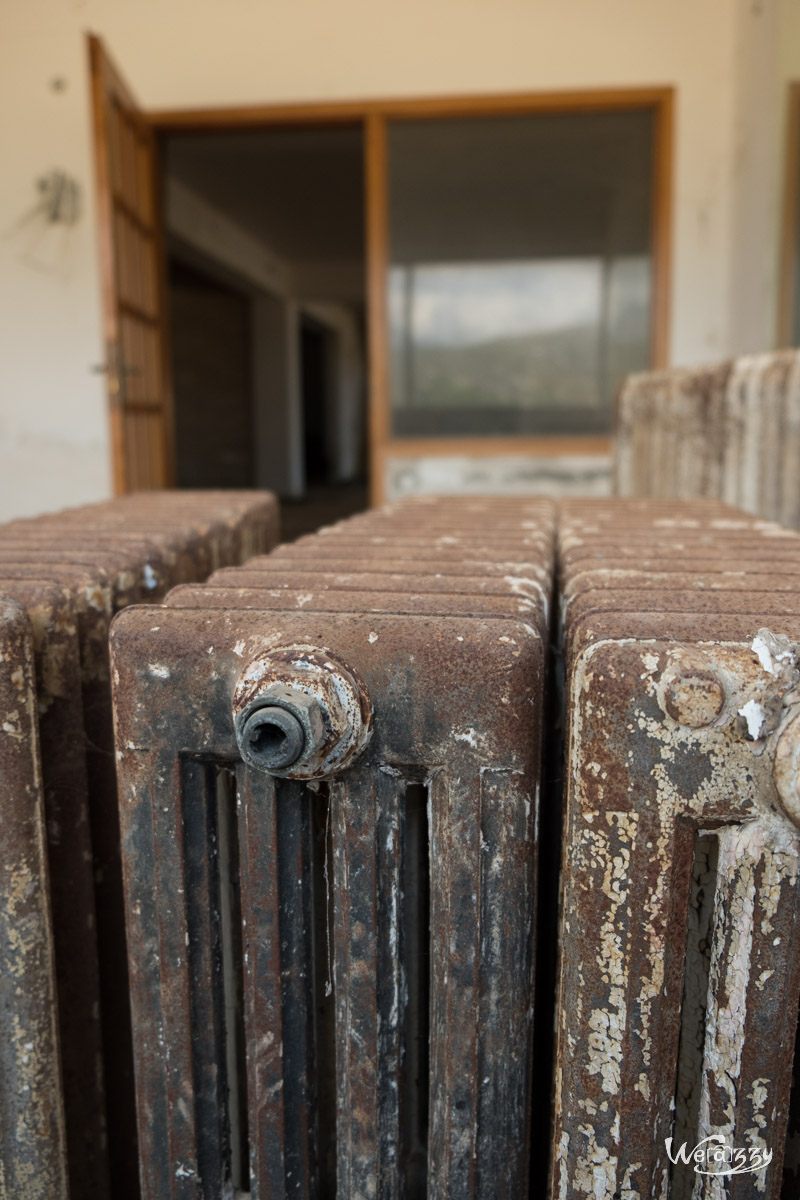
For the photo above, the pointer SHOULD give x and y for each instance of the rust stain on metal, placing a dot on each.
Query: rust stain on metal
(454, 676)
(32, 1135)
(727, 432)
(71, 571)
(323, 696)
(681, 708)
(374, 696)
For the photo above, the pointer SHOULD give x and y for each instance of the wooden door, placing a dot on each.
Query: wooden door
(132, 263)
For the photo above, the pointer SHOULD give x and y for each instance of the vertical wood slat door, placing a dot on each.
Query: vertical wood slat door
(131, 252)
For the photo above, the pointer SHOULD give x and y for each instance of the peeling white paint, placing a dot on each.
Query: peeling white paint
(774, 651)
(753, 713)
(601, 861)
(469, 737)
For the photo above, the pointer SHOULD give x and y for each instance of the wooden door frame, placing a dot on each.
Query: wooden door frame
(104, 80)
(372, 116)
(790, 234)
(98, 66)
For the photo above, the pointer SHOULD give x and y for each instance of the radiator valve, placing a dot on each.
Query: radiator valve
(300, 713)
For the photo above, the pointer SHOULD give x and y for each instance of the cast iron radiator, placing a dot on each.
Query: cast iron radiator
(678, 929)
(31, 1109)
(66, 1087)
(329, 782)
(730, 433)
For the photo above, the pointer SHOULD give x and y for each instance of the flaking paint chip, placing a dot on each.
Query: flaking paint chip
(753, 713)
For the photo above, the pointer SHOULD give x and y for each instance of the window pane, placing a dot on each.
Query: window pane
(519, 280)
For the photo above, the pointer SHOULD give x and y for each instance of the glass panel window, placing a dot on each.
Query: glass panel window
(519, 279)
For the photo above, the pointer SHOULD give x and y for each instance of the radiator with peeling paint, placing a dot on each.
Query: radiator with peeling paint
(329, 786)
(69, 572)
(730, 432)
(678, 973)
(32, 1138)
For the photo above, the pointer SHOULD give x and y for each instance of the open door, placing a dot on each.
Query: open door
(129, 217)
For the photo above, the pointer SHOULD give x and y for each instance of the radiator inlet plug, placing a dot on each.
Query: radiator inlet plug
(300, 713)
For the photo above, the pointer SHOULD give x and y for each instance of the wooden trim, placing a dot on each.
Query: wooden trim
(143, 406)
(133, 458)
(157, 203)
(103, 189)
(110, 74)
(377, 237)
(790, 234)
(356, 111)
(133, 310)
(98, 66)
(125, 208)
(473, 447)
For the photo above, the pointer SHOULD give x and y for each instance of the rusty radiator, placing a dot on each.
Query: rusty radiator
(70, 572)
(678, 966)
(32, 1136)
(729, 432)
(329, 787)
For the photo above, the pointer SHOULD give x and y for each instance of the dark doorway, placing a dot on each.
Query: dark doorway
(212, 380)
(278, 213)
(316, 379)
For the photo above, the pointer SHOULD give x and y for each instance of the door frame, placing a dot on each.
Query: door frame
(155, 453)
(373, 116)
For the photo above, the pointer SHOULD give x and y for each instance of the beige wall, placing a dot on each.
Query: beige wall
(717, 53)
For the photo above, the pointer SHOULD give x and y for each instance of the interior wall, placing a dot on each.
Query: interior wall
(789, 73)
(53, 427)
(277, 400)
(210, 345)
(500, 475)
(756, 176)
(346, 430)
(209, 232)
(54, 441)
